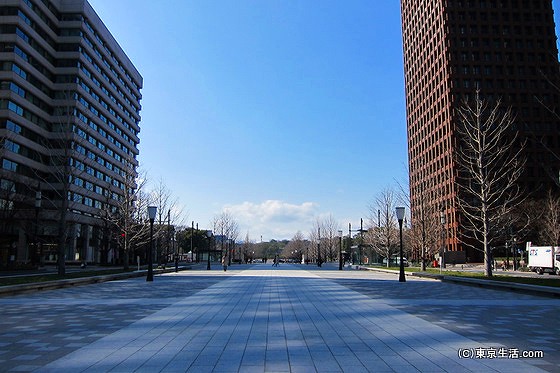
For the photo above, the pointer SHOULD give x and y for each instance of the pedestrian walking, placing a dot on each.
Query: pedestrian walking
(224, 262)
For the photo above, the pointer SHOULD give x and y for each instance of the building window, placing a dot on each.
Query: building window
(13, 127)
(6, 205)
(7, 185)
(19, 71)
(15, 108)
(9, 165)
(11, 146)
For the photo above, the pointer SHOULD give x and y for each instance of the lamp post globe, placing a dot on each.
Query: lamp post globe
(400, 218)
(152, 210)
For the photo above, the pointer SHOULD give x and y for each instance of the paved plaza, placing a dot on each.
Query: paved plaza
(293, 318)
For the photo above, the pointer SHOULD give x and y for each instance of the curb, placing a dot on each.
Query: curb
(58, 284)
(502, 285)
(492, 284)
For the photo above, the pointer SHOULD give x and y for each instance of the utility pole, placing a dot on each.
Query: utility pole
(319, 264)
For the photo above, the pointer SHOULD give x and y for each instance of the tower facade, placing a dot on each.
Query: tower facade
(504, 49)
(69, 125)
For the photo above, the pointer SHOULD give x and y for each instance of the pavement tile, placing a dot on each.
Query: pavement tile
(258, 319)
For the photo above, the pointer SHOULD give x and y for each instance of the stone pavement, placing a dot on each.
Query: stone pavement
(285, 319)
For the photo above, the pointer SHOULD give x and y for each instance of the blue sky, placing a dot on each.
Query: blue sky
(281, 112)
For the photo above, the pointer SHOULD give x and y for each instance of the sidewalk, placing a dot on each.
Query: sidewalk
(263, 319)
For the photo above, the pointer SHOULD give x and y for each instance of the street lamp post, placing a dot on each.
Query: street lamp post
(197, 249)
(361, 240)
(209, 235)
(175, 249)
(514, 248)
(151, 215)
(400, 217)
(37, 252)
(192, 233)
(444, 244)
(361, 231)
(350, 243)
(340, 250)
(168, 237)
(319, 248)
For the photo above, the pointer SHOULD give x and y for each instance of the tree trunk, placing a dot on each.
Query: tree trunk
(62, 236)
(125, 255)
(488, 261)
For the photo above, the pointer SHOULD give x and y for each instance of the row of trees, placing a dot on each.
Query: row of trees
(492, 206)
(490, 202)
(59, 187)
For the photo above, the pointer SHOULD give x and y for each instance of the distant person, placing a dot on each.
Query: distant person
(224, 262)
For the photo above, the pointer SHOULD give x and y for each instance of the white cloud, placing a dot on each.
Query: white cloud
(273, 219)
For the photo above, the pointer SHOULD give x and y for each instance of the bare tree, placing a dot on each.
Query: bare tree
(550, 227)
(225, 225)
(246, 249)
(329, 238)
(551, 161)
(108, 227)
(129, 216)
(169, 214)
(424, 235)
(490, 164)
(12, 198)
(13, 204)
(65, 145)
(383, 237)
(315, 250)
(296, 247)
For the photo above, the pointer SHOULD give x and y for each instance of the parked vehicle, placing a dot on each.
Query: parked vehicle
(544, 259)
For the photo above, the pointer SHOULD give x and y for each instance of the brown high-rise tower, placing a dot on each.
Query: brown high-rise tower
(504, 48)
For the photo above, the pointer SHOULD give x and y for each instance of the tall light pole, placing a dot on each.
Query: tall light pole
(192, 233)
(340, 250)
(444, 244)
(209, 235)
(361, 231)
(37, 252)
(152, 210)
(400, 217)
(231, 250)
(361, 240)
(350, 243)
(175, 249)
(319, 248)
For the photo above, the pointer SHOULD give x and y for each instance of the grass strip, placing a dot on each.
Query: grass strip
(544, 280)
